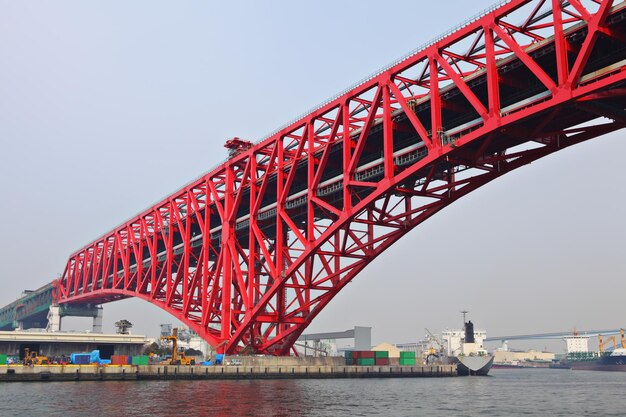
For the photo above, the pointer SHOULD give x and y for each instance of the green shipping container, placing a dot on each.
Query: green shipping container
(382, 354)
(407, 362)
(407, 355)
(140, 360)
(366, 361)
(3, 359)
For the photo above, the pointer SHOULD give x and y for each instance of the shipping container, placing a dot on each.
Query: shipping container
(140, 360)
(382, 362)
(407, 355)
(119, 360)
(3, 359)
(369, 354)
(366, 361)
(408, 362)
(348, 354)
(349, 361)
(381, 354)
(80, 358)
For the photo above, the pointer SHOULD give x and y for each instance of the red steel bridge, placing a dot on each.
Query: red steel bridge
(251, 252)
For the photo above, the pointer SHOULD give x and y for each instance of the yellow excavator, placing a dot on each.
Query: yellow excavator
(178, 355)
(31, 358)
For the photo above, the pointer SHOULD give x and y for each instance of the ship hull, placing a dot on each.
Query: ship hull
(598, 367)
(472, 365)
(606, 363)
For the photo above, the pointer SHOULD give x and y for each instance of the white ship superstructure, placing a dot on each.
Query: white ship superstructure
(454, 341)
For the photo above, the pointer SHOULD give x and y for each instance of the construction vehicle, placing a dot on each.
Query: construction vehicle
(178, 355)
(31, 358)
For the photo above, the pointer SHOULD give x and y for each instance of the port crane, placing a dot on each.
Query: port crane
(178, 355)
(432, 352)
(602, 343)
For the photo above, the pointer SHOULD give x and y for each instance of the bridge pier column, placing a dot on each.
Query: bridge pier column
(54, 319)
(97, 320)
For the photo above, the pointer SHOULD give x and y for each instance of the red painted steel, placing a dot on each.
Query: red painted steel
(249, 254)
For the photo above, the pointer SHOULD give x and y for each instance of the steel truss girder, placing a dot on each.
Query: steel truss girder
(250, 253)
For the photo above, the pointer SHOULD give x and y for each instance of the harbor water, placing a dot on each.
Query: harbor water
(506, 392)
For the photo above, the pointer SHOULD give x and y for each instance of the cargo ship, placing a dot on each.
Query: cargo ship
(473, 358)
(465, 348)
(613, 361)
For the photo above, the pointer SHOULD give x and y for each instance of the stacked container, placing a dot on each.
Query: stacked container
(382, 357)
(119, 360)
(365, 358)
(140, 360)
(349, 358)
(407, 359)
(3, 359)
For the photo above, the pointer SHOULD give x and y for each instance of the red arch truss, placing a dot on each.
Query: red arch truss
(250, 253)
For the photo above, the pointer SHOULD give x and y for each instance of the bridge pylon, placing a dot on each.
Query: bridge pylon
(57, 312)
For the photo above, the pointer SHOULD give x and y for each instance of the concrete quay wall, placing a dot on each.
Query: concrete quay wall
(168, 372)
(293, 372)
(20, 373)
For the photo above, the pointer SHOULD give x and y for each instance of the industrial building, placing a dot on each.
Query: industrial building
(59, 344)
(502, 356)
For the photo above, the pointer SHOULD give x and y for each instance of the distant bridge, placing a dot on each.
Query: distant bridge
(250, 253)
(561, 335)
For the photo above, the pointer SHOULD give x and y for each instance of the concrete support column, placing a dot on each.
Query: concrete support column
(54, 319)
(97, 320)
(362, 338)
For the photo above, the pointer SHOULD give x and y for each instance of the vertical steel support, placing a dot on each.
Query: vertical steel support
(435, 101)
(347, 153)
(493, 82)
(279, 238)
(227, 261)
(562, 65)
(387, 133)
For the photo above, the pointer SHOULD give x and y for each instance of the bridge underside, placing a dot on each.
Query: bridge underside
(249, 254)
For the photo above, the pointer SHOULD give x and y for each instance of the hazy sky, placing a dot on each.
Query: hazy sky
(107, 107)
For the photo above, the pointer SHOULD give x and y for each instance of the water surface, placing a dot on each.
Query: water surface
(522, 392)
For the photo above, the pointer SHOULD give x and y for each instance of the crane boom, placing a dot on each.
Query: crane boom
(602, 343)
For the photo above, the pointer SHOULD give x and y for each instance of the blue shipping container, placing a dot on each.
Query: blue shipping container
(80, 358)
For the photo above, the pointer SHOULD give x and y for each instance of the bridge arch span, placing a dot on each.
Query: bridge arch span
(249, 254)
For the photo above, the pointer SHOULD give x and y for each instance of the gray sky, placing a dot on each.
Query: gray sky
(108, 106)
